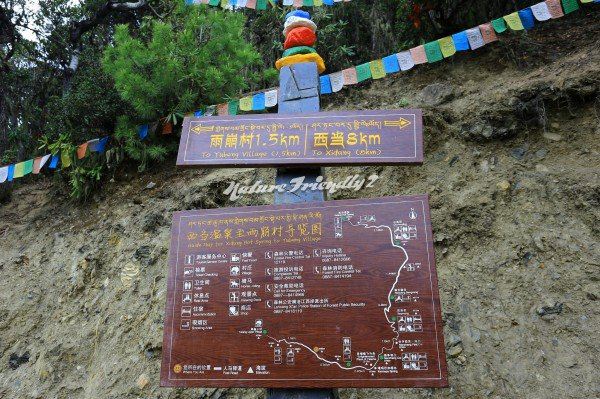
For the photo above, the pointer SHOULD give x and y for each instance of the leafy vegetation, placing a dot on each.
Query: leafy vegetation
(73, 71)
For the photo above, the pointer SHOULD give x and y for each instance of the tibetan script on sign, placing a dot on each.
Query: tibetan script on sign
(325, 138)
(336, 294)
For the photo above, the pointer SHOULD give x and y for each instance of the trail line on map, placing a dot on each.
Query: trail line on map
(386, 311)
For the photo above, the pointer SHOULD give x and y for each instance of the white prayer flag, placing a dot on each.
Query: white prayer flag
(271, 98)
(337, 81)
(541, 11)
(475, 38)
(405, 60)
(3, 174)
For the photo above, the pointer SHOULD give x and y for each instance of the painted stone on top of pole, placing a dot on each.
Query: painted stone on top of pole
(299, 66)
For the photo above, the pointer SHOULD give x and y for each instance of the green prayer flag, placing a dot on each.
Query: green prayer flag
(27, 167)
(308, 3)
(570, 6)
(261, 4)
(233, 107)
(214, 2)
(363, 72)
(433, 52)
(499, 25)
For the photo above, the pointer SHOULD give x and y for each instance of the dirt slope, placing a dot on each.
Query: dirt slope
(512, 166)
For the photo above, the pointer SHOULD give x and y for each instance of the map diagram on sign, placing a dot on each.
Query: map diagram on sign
(342, 294)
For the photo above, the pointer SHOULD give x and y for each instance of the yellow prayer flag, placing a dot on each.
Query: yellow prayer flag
(19, 170)
(318, 3)
(65, 158)
(377, 69)
(583, 1)
(514, 21)
(447, 46)
(246, 103)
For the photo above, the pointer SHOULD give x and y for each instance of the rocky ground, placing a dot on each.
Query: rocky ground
(512, 167)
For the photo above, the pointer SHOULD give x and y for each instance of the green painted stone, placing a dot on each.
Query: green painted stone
(299, 50)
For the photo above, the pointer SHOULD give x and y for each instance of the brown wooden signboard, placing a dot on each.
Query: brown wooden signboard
(325, 138)
(336, 294)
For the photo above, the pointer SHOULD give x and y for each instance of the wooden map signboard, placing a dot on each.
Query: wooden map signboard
(324, 138)
(336, 294)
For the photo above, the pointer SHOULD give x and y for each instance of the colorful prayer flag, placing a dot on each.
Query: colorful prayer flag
(258, 102)
(233, 106)
(143, 131)
(377, 69)
(82, 150)
(53, 162)
(167, 128)
(271, 98)
(499, 25)
(390, 64)
(405, 60)
(65, 158)
(3, 174)
(541, 11)
(475, 38)
(337, 81)
(418, 55)
(251, 4)
(514, 21)
(39, 163)
(569, 6)
(433, 52)
(555, 8)
(102, 144)
(19, 170)
(527, 19)
(349, 76)
(363, 72)
(447, 46)
(222, 109)
(27, 167)
(261, 4)
(461, 42)
(325, 84)
(198, 113)
(487, 33)
(11, 172)
(246, 103)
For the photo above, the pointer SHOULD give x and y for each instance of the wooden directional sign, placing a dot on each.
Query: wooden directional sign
(325, 138)
(335, 294)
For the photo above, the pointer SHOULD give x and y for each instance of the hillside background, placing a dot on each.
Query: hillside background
(511, 165)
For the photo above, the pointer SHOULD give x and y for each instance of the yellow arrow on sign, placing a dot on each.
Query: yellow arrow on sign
(200, 129)
(401, 123)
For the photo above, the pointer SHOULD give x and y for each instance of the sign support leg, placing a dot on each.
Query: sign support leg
(298, 92)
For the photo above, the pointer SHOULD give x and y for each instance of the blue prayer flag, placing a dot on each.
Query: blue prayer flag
(198, 113)
(11, 172)
(328, 2)
(258, 102)
(53, 162)
(325, 84)
(390, 64)
(102, 144)
(143, 131)
(461, 41)
(526, 16)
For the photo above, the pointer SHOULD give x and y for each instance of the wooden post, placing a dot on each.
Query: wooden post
(299, 93)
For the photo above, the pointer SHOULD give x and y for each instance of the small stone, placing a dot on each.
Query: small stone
(541, 153)
(518, 153)
(504, 185)
(150, 185)
(485, 166)
(453, 340)
(541, 168)
(142, 381)
(553, 136)
(548, 317)
(592, 292)
(455, 351)
(462, 359)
